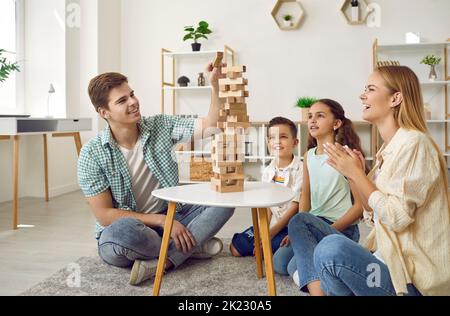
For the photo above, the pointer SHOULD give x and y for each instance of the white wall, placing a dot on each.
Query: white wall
(326, 57)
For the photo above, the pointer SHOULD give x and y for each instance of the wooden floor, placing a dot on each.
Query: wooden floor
(63, 232)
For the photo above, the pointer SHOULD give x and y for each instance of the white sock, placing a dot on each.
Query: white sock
(296, 278)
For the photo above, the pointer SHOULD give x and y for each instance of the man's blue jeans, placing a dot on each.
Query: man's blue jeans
(128, 239)
(345, 268)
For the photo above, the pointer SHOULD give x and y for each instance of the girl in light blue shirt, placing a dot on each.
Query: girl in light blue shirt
(327, 205)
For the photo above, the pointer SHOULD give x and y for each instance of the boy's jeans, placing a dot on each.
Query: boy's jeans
(128, 239)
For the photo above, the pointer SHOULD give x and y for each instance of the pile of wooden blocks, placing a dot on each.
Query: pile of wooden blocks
(228, 148)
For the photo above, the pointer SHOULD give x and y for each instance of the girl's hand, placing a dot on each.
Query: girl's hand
(285, 242)
(343, 159)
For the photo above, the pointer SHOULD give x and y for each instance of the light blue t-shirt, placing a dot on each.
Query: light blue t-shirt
(330, 191)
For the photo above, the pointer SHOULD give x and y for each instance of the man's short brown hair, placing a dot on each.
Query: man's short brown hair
(284, 121)
(101, 86)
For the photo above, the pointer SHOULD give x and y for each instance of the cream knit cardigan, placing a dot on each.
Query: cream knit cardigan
(413, 227)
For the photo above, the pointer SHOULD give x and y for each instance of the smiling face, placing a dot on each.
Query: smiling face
(281, 142)
(378, 101)
(321, 121)
(123, 106)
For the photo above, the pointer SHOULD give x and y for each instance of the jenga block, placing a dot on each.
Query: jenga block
(237, 130)
(227, 186)
(222, 137)
(237, 87)
(224, 88)
(235, 94)
(230, 176)
(235, 106)
(226, 164)
(238, 69)
(218, 61)
(234, 75)
(237, 169)
(237, 118)
(227, 81)
(232, 113)
(225, 125)
(225, 157)
(229, 150)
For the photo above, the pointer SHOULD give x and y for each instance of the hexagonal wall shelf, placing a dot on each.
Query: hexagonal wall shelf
(346, 10)
(291, 8)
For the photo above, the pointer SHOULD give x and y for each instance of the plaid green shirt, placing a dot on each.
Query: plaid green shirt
(102, 166)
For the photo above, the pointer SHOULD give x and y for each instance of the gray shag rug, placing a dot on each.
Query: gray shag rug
(222, 275)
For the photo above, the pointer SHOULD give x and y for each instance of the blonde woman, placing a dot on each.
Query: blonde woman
(405, 197)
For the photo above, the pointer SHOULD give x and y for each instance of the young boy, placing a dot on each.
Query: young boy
(286, 169)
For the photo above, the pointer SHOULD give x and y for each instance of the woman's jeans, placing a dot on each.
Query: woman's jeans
(345, 268)
(128, 239)
(305, 233)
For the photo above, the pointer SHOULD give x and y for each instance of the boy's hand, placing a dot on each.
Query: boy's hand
(285, 242)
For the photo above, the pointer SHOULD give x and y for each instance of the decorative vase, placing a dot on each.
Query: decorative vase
(196, 47)
(201, 80)
(433, 75)
(305, 114)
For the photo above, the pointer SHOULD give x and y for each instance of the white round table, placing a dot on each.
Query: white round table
(258, 196)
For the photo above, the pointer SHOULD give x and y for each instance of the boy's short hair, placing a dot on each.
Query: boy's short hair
(284, 121)
(101, 86)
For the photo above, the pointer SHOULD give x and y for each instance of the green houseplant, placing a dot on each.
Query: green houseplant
(432, 61)
(304, 103)
(202, 31)
(287, 19)
(6, 68)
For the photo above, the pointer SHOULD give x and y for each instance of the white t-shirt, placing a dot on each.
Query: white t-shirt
(290, 177)
(143, 181)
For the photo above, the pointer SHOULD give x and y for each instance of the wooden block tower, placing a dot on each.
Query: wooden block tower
(228, 148)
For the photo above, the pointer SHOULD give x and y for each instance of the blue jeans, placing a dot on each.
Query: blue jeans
(128, 239)
(346, 268)
(245, 241)
(305, 232)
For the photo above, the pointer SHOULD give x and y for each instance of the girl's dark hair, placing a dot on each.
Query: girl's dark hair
(346, 134)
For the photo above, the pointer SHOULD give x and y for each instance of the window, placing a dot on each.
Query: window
(11, 40)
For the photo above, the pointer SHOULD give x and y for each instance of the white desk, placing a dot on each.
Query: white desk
(258, 196)
(17, 127)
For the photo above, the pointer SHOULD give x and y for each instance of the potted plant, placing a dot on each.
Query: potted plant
(196, 33)
(432, 61)
(287, 19)
(355, 10)
(6, 68)
(304, 103)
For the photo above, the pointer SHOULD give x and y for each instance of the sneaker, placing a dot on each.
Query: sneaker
(142, 271)
(209, 249)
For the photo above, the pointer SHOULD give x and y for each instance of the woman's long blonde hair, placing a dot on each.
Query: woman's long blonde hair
(411, 114)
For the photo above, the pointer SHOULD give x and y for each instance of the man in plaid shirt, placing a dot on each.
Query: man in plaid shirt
(119, 169)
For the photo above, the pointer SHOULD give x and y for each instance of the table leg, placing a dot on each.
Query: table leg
(45, 169)
(164, 246)
(16, 181)
(257, 243)
(78, 142)
(267, 248)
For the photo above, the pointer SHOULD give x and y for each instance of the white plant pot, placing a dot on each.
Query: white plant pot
(287, 23)
(355, 14)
